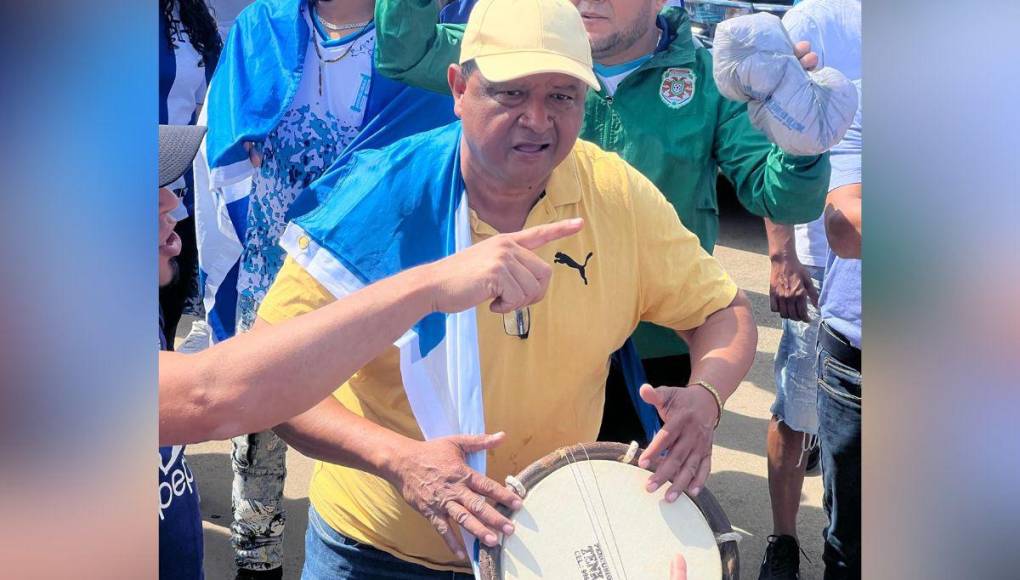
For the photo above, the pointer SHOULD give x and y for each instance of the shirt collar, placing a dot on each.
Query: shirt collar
(563, 188)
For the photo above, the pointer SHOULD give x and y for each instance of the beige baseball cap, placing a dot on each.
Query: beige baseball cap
(510, 39)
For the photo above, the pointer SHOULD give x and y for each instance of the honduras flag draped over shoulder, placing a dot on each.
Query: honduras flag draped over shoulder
(255, 82)
(392, 209)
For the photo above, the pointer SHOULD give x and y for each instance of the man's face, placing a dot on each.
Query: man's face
(518, 131)
(615, 25)
(169, 241)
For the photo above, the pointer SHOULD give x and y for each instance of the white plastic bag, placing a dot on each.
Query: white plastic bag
(805, 113)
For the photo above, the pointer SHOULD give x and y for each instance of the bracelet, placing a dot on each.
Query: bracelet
(718, 400)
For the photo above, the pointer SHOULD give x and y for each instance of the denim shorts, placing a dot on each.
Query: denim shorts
(796, 377)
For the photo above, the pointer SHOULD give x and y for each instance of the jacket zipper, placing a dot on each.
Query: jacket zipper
(606, 125)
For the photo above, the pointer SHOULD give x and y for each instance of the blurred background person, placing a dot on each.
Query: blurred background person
(189, 47)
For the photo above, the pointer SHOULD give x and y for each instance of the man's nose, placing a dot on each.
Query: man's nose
(536, 116)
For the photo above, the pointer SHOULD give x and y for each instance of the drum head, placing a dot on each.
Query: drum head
(590, 518)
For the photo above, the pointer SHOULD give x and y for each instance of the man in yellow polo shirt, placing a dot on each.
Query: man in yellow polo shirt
(384, 502)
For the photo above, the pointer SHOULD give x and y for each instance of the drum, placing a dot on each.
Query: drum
(586, 515)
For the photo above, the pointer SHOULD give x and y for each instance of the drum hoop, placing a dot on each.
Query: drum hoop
(489, 558)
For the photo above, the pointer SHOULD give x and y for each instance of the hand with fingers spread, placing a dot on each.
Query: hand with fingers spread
(434, 479)
(689, 417)
(503, 269)
(790, 289)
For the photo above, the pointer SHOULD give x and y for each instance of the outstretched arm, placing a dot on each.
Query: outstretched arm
(411, 46)
(788, 189)
(259, 379)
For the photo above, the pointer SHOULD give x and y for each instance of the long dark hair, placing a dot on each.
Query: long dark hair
(198, 23)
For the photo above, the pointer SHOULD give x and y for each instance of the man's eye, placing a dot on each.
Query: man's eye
(562, 97)
(511, 93)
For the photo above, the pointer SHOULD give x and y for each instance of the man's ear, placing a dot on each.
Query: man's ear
(458, 86)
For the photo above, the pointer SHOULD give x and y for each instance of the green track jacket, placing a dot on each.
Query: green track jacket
(666, 118)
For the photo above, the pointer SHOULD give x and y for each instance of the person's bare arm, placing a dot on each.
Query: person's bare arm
(254, 380)
(843, 220)
(259, 379)
(790, 285)
(432, 476)
(722, 350)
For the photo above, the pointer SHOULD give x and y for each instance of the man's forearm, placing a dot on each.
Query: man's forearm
(331, 433)
(722, 349)
(788, 189)
(781, 241)
(264, 377)
(276, 372)
(792, 188)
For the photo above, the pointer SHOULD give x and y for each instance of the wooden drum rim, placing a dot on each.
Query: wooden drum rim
(489, 557)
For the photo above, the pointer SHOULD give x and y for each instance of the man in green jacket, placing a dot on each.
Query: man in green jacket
(660, 110)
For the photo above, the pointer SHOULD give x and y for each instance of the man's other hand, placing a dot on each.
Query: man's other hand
(434, 479)
(790, 288)
(688, 425)
(502, 269)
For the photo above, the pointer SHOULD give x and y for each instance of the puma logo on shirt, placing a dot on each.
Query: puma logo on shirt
(561, 258)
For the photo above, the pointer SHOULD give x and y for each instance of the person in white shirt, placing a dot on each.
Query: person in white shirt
(189, 47)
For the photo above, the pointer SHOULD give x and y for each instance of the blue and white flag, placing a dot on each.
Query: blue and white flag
(392, 209)
(255, 82)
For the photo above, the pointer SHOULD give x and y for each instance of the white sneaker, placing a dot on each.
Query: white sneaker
(198, 339)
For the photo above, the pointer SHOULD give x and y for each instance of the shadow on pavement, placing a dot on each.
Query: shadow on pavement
(745, 499)
(741, 229)
(761, 305)
(214, 476)
(742, 433)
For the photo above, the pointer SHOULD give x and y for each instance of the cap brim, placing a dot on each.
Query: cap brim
(178, 145)
(500, 68)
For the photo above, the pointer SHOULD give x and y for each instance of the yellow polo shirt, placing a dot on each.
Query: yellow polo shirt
(546, 391)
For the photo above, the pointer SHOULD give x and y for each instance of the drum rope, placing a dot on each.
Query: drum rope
(614, 557)
(590, 511)
(581, 493)
(605, 510)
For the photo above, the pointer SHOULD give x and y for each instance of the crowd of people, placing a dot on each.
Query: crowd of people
(366, 172)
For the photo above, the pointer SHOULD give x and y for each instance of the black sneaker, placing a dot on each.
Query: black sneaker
(782, 559)
(245, 574)
(813, 459)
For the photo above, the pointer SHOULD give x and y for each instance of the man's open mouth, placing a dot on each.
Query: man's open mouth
(531, 147)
